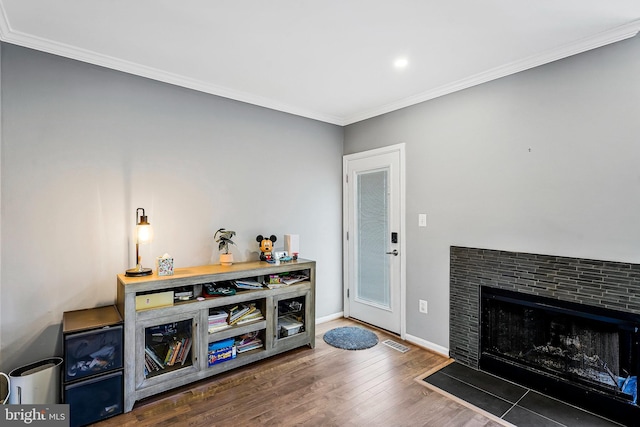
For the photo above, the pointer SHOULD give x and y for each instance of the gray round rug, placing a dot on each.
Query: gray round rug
(351, 338)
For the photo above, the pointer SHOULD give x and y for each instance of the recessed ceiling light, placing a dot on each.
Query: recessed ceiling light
(401, 63)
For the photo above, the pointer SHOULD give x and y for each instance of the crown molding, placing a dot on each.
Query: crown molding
(8, 35)
(83, 55)
(602, 39)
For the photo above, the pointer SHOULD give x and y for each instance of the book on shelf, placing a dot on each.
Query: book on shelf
(249, 309)
(247, 342)
(167, 356)
(154, 357)
(186, 351)
(214, 323)
(215, 314)
(237, 319)
(249, 320)
(181, 350)
(218, 328)
(175, 348)
(218, 323)
(250, 317)
(248, 284)
(148, 364)
(290, 279)
(249, 347)
(236, 312)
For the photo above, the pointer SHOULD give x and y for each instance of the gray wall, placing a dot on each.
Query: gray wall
(83, 147)
(545, 161)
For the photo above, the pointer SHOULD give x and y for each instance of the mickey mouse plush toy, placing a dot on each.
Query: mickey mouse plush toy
(266, 246)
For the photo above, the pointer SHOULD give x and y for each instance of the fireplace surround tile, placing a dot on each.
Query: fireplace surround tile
(592, 282)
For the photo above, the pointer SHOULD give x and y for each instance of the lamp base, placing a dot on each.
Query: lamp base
(137, 272)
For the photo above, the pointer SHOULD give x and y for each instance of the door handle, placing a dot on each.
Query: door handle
(393, 252)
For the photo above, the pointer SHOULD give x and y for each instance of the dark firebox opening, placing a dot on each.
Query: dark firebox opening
(585, 355)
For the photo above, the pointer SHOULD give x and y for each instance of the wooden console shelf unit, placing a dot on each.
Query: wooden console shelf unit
(190, 319)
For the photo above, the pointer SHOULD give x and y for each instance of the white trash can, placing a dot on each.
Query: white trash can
(37, 383)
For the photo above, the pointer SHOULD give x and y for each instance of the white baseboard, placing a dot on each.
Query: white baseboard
(428, 345)
(329, 318)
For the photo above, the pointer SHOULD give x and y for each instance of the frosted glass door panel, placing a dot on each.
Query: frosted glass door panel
(373, 230)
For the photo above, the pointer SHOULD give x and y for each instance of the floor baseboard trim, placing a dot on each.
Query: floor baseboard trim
(329, 318)
(427, 344)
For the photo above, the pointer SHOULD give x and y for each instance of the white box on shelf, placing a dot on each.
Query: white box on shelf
(289, 326)
(292, 244)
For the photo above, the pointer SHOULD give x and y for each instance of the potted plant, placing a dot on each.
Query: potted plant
(223, 237)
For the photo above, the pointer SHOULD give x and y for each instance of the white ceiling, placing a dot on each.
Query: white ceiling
(328, 60)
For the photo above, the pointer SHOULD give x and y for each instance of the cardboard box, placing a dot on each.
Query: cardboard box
(274, 279)
(158, 299)
(222, 351)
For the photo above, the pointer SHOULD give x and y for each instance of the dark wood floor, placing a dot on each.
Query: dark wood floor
(324, 386)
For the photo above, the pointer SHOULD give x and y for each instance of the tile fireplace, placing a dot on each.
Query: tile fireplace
(569, 327)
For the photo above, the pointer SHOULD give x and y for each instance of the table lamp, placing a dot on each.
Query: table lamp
(144, 234)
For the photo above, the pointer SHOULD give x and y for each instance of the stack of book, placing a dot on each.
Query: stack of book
(248, 342)
(151, 361)
(217, 320)
(178, 351)
(244, 313)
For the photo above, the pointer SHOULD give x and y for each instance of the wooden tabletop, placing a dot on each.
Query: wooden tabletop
(90, 318)
(182, 273)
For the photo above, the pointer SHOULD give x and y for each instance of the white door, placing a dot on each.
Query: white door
(374, 237)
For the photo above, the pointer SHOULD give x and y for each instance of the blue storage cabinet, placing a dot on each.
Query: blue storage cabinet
(93, 364)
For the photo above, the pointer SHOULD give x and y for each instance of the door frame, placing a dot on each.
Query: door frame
(400, 148)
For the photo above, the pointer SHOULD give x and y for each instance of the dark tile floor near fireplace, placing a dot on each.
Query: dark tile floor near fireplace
(518, 405)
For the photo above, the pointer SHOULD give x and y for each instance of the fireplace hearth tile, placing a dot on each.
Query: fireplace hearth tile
(523, 417)
(475, 396)
(506, 390)
(559, 411)
(513, 403)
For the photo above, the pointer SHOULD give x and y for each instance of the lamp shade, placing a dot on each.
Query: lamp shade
(144, 233)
